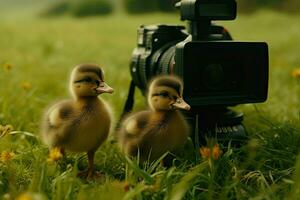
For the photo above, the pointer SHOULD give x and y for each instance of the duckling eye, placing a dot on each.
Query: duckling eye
(164, 94)
(88, 80)
(85, 80)
(97, 82)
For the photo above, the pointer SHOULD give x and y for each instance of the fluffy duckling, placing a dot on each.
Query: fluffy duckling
(83, 123)
(152, 133)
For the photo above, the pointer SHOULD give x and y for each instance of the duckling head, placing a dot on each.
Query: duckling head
(87, 81)
(165, 94)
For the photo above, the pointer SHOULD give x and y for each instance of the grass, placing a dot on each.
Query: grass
(43, 51)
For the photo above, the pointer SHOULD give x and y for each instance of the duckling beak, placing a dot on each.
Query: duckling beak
(104, 88)
(181, 104)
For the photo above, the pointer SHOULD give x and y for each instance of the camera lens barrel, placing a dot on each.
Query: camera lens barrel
(155, 52)
(167, 61)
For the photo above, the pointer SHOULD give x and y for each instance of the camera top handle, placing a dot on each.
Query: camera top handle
(200, 13)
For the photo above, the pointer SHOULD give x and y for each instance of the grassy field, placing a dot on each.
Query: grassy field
(36, 57)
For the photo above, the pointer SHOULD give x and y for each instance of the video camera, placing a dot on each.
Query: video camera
(217, 72)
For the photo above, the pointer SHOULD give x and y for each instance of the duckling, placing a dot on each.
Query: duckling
(160, 129)
(83, 123)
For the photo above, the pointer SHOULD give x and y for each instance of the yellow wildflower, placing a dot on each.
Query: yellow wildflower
(25, 196)
(7, 67)
(25, 85)
(216, 152)
(205, 152)
(31, 196)
(54, 155)
(4, 130)
(296, 73)
(6, 156)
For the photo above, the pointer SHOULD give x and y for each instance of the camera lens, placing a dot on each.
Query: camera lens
(155, 52)
(166, 61)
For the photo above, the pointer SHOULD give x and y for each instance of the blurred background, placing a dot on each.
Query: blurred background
(81, 8)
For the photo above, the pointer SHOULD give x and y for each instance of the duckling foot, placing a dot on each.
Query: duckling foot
(62, 151)
(90, 173)
(96, 176)
(91, 176)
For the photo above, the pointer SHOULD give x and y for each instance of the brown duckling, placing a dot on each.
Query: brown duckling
(83, 123)
(154, 132)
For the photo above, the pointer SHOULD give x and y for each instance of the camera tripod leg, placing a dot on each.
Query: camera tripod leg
(128, 105)
(197, 139)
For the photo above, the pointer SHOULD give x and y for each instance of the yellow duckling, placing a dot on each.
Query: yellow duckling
(81, 124)
(152, 133)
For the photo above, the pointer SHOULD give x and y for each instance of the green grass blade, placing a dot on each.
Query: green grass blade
(295, 192)
(157, 162)
(135, 167)
(178, 191)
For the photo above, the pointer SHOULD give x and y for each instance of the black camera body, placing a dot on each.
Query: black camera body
(214, 72)
(214, 69)
(217, 72)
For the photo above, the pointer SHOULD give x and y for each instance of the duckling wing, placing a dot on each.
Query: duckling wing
(57, 122)
(59, 114)
(134, 125)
